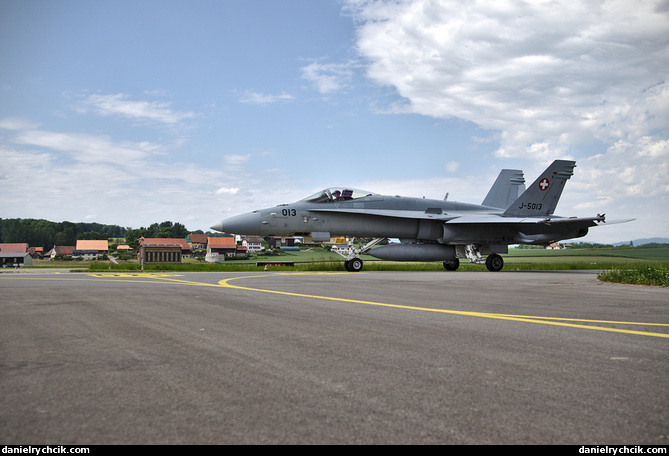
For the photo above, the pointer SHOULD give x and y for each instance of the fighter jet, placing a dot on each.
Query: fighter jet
(429, 229)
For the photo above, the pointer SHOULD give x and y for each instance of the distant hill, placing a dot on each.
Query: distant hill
(638, 242)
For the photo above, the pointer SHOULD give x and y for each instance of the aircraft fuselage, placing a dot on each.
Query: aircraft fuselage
(322, 223)
(303, 218)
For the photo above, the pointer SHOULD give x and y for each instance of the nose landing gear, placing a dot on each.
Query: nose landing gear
(353, 263)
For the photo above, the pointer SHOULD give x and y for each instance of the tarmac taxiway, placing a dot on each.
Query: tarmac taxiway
(332, 358)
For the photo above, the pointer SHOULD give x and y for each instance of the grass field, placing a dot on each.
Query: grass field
(639, 265)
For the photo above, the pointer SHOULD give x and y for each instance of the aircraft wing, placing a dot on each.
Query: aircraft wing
(417, 215)
(491, 219)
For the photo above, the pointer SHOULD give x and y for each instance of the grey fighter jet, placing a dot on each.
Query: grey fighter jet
(428, 229)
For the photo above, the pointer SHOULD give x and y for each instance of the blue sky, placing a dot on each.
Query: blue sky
(135, 112)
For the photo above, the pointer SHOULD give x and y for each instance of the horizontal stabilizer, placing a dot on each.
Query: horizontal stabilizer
(486, 220)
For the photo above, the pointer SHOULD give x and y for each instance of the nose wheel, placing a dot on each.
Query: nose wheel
(353, 263)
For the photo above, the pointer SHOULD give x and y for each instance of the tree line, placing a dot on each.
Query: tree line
(46, 234)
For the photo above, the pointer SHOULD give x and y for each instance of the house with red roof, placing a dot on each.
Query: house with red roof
(36, 252)
(15, 254)
(220, 247)
(64, 250)
(90, 249)
(198, 241)
(16, 247)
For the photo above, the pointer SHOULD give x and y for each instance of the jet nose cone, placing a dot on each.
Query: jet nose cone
(240, 224)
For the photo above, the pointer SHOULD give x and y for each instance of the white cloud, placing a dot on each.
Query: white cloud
(15, 123)
(452, 166)
(65, 175)
(547, 75)
(227, 191)
(327, 77)
(629, 170)
(254, 97)
(86, 147)
(120, 105)
(235, 162)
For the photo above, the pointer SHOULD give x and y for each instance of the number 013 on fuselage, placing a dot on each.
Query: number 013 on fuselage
(428, 229)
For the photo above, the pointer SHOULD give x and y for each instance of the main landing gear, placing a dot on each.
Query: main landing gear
(353, 265)
(452, 265)
(493, 262)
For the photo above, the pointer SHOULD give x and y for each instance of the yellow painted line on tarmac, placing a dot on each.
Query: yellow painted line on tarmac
(225, 283)
(166, 277)
(554, 321)
(151, 275)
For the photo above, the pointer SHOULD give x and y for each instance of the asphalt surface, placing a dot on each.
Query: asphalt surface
(332, 358)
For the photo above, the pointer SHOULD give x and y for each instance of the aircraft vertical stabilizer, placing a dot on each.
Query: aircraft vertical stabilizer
(541, 198)
(510, 184)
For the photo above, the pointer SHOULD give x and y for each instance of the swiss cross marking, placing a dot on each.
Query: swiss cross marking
(543, 185)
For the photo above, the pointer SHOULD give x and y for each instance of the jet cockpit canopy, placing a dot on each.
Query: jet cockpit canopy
(336, 194)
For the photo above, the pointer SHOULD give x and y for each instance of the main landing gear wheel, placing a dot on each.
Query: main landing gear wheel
(354, 265)
(452, 265)
(494, 263)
